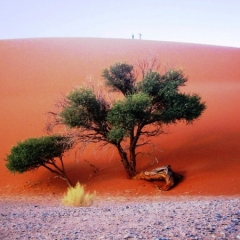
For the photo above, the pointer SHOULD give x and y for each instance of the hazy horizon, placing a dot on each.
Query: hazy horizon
(202, 22)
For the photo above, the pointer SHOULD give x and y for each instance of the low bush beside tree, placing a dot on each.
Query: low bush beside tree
(46, 151)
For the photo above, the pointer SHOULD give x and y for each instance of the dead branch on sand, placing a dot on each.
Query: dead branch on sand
(157, 174)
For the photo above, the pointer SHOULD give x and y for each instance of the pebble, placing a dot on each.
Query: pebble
(166, 220)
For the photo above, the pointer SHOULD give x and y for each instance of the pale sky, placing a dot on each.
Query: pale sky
(214, 22)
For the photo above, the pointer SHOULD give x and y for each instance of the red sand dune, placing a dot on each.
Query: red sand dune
(35, 72)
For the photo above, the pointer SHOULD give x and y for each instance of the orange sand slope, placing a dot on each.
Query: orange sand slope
(36, 72)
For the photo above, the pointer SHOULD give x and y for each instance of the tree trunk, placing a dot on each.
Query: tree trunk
(69, 183)
(60, 173)
(133, 160)
(124, 159)
(163, 173)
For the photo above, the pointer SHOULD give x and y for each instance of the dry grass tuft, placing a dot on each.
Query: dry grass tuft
(77, 197)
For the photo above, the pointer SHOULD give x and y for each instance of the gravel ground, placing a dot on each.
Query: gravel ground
(144, 218)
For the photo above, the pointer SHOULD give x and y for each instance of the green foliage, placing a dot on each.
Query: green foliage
(129, 112)
(126, 114)
(151, 84)
(116, 135)
(35, 152)
(83, 109)
(182, 107)
(168, 105)
(162, 86)
(120, 77)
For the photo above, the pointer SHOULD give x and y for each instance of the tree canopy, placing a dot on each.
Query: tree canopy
(145, 107)
(36, 152)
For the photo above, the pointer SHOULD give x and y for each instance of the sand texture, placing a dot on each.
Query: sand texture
(35, 73)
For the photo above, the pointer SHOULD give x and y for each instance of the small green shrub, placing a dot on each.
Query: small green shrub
(77, 197)
(44, 151)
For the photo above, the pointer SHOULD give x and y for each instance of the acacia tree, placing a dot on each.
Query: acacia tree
(145, 107)
(36, 152)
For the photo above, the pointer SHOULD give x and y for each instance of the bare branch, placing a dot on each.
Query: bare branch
(95, 169)
(155, 132)
(148, 64)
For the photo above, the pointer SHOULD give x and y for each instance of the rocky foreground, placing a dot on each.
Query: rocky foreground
(110, 218)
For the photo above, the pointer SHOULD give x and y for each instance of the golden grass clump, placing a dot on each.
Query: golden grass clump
(77, 197)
